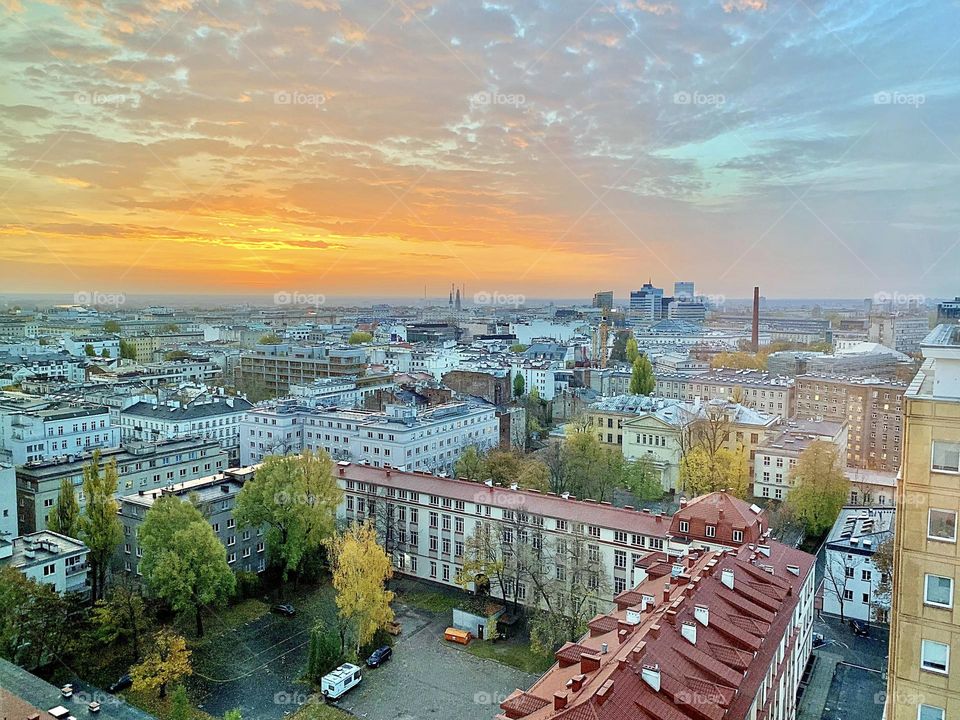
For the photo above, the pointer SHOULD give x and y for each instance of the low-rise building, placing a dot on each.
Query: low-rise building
(51, 559)
(850, 576)
(215, 495)
(107, 346)
(140, 466)
(776, 456)
(58, 430)
(701, 635)
(606, 417)
(716, 521)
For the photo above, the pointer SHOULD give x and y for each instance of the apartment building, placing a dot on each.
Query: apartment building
(924, 629)
(18, 367)
(8, 507)
(146, 343)
(606, 417)
(872, 407)
(402, 436)
(37, 435)
(140, 466)
(199, 369)
(215, 418)
(902, 333)
(215, 496)
(51, 559)
(775, 457)
(283, 365)
(760, 390)
(850, 574)
(716, 521)
(701, 635)
(661, 435)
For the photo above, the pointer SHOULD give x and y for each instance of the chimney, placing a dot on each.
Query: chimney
(666, 592)
(689, 631)
(589, 662)
(576, 682)
(605, 691)
(651, 676)
(559, 700)
(755, 332)
(622, 635)
(726, 577)
(341, 472)
(646, 601)
(702, 614)
(638, 651)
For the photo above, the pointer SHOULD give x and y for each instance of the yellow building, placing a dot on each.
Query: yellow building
(924, 670)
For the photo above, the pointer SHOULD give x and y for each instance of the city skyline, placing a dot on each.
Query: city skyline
(181, 147)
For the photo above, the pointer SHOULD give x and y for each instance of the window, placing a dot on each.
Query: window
(938, 590)
(942, 525)
(934, 656)
(684, 526)
(711, 530)
(946, 456)
(929, 712)
(738, 535)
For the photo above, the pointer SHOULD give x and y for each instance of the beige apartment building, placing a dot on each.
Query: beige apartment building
(760, 390)
(924, 676)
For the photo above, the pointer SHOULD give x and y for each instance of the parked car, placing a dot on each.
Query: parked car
(859, 628)
(122, 683)
(819, 640)
(284, 609)
(379, 656)
(336, 683)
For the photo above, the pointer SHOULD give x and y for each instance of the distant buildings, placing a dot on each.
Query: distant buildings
(924, 626)
(873, 409)
(58, 430)
(647, 303)
(900, 332)
(777, 455)
(280, 366)
(850, 575)
(765, 392)
(948, 312)
(683, 290)
(603, 299)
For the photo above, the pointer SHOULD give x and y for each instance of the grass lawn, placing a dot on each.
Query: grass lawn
(433, 602)
(511, 652)
(149, 702)
(316, 710)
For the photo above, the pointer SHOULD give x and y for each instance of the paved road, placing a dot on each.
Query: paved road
(429, 679)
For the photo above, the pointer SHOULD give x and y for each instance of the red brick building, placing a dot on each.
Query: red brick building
(718, 520)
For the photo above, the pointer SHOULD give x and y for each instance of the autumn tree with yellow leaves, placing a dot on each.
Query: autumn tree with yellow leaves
(166, 662)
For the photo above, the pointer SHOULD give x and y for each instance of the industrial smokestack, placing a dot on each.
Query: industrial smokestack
(755, 333)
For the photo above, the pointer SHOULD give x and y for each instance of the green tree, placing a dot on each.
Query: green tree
(502, 466)
(819, 487)
(270, 339)
(34, 619)
(518, 348)
(167, 661)
(360, 571)
(618, 353)
(704, 471)
(534, 475)
(518, 385)
(184, 563)
(233, 715)
(100, 527)
(105, 353)
(642, 381)
(89, 351)
(176, 355)
(122, 616)
(65, 518)
(470, 464)
(180, 705)
(296, 497)
(590, 469)
(326, 652)
(642, 479)
(632, 351)
(128, 351)
(169, 328)
(254, 388)
(359, 337)
(111, 326)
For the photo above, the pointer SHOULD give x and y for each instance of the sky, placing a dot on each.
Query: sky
(550, 148)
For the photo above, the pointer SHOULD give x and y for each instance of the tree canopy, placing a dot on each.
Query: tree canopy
(819, 487)
(100, 528)
(359, 337)
(65, 518)
(167, 661)
(642, 381)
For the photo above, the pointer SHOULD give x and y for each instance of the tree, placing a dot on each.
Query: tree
(184, 563)
(169, 328)
(360, 571)
(483, 560)
(618, 353)
(122, 615)
(100, 527)
(359, 338)
(502, 466)
(296, 497)
(326, 652)
(105, 353)
(176, 355)
(838, 568)
(883, 590)
(642, 479)
(128, 351)
(518, 385)
(167, 661)
(255, 389)
(180, 705)
(518, 348)
(819, 487)
(89, 351)
(233, 715)
(534, 475)
(703, 472)
(632, 351)
(65, 518)
(111, 326)
(642, 381)
(591, 469)
(34, 619)
(270, 339)
(470, 464)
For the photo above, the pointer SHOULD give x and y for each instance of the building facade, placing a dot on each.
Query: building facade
(777, 456)
(283, 365)
(759, 390)
(851, 577)
(924, 630)
(902, 333)
(51, 559)
(38, 435)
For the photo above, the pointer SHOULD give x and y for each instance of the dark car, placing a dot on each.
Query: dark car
(122, 683)
(380, 656)
(859, 629)
(819, 640)
(284, 609)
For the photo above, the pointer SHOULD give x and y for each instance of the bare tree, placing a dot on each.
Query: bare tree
(839, 568)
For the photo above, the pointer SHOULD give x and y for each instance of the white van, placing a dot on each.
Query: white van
(336, 683)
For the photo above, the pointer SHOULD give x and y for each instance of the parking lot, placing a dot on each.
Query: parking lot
(426, 678)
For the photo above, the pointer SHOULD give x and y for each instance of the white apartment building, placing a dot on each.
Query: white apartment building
(777, 455)
(540, 375)
(52, 559)
(339, 392)
(40, 435)
(77, 345)
(402, 436)
(8, 506)
(850, 575)
(435, 361)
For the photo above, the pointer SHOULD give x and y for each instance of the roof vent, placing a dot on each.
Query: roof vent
(689, 631)
(702, 614)
(651, 676)
(726, 577)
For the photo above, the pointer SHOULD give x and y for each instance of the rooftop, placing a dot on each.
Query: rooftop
(40, 547)
(205, 489)
(861, 529)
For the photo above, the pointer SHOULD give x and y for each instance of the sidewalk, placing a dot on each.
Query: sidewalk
(814, 699)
